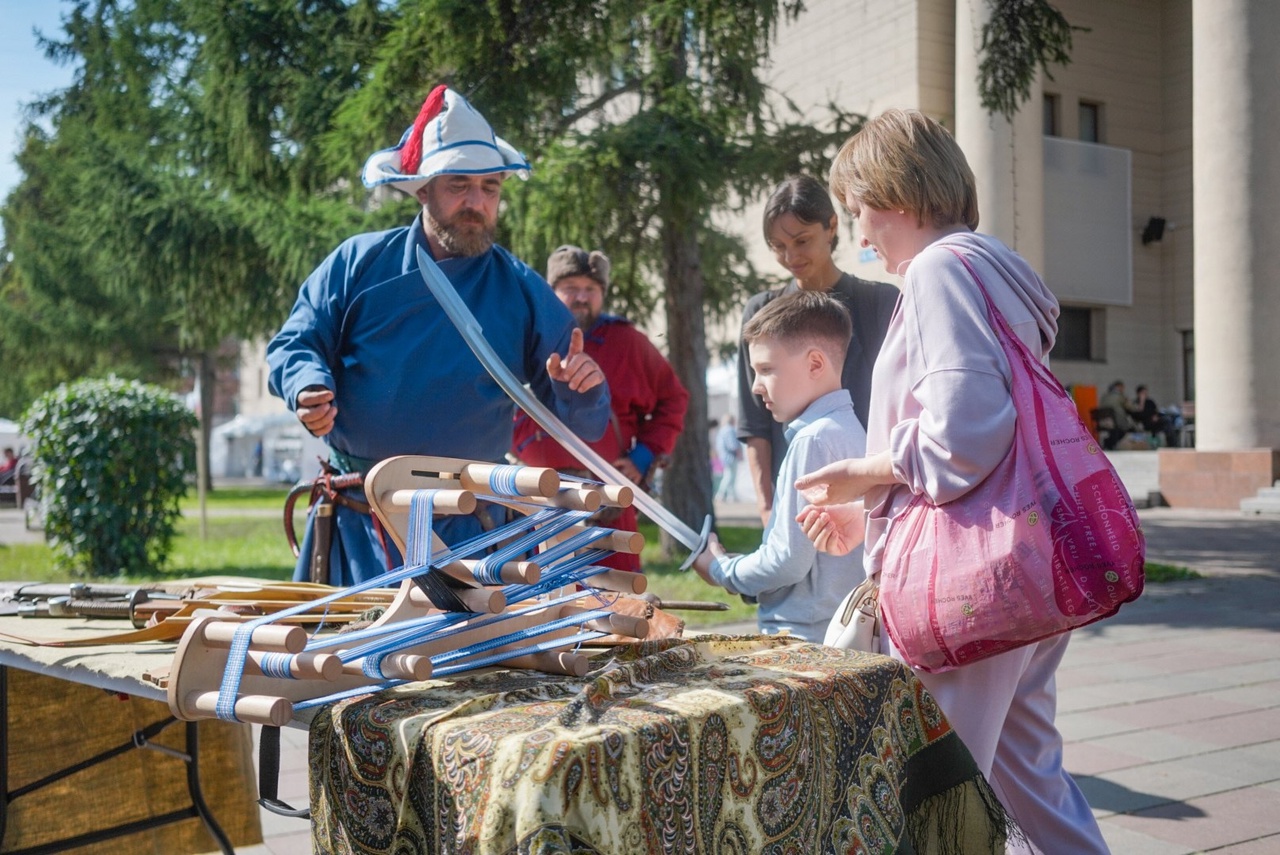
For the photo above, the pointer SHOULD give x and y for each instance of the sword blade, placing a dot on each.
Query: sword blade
(473, 335)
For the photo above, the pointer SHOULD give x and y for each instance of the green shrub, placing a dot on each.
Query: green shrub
(111, 458)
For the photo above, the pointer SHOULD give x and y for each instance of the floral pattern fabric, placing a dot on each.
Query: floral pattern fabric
(719, 744)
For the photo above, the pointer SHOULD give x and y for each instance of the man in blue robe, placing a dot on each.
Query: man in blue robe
(369, 360)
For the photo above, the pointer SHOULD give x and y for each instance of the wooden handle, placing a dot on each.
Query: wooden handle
(614, 624)
(444, 501)
(622, 581)
(513, 572)
(552, 662)
(276, 639)
(579, 499)
(488, 601)
(617, 495)
(395, 666)
(630, 542)
(255, 709)
(302, 666)
(530, 480)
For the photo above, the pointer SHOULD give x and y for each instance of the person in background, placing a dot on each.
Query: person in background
(1146, 413)
(648, 400)
(8, 466)
(800, 227)
(728, 451)
(942, 418)
(796, 347)
(368, 359)
(1115, 402)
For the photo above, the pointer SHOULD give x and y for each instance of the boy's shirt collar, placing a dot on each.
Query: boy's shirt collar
(822, 406)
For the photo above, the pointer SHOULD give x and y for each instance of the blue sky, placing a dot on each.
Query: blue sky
(25, 73)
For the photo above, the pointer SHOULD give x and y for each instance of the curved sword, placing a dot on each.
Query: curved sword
(473, 335)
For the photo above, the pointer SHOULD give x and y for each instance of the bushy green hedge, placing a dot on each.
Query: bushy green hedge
(111, 458)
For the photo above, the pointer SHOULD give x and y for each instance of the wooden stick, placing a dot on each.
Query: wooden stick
(275, 638)
(255, 709)
(444, 501)
(530, 480)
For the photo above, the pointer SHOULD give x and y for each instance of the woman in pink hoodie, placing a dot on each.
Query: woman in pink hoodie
(941, 418)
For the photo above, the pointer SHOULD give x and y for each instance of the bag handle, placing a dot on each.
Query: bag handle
(1034, 368)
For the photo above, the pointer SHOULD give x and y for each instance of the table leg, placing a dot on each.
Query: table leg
(140, 739)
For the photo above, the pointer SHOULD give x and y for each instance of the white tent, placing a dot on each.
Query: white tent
(11, 436)
(274, 447)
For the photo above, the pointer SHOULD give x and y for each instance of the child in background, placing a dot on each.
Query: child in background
(797, 346)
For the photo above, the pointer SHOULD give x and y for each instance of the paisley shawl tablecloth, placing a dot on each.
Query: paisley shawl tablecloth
(718, 744)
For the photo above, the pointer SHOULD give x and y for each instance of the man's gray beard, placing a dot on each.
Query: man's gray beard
(457, 242)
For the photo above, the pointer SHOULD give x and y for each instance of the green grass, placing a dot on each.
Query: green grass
(254, 545)
(670, 583)
(240, 499)
(1157, 572)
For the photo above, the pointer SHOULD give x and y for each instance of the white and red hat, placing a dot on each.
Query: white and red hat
(449, 137)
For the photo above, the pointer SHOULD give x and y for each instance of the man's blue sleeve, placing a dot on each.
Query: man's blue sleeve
(302, 352)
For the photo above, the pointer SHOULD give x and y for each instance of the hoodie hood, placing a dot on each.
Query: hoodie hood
(1023, 281)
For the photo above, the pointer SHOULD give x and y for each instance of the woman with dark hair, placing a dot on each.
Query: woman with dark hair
(800, 226)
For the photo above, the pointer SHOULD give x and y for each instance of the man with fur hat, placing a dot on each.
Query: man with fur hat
(369, 360)
(648, 400)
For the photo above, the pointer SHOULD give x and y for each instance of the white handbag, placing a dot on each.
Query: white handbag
(856, 624)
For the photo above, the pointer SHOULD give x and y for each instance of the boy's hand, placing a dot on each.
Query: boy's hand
(834, 529)
(702, 564)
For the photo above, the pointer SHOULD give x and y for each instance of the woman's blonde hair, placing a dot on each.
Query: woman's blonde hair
(904, 161)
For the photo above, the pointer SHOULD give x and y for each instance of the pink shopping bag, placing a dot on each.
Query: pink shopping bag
(1049, 541)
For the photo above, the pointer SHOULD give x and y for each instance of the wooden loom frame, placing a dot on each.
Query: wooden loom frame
(194, 681)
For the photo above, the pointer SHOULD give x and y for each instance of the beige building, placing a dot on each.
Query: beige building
(1158, 137)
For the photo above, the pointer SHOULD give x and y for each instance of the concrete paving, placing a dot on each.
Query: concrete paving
(1170, 710)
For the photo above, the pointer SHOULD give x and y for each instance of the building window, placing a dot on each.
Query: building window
(1051, 115)
(1079, 334)
(1090, 122)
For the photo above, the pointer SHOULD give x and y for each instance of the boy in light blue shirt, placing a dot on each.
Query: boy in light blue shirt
(797, 346)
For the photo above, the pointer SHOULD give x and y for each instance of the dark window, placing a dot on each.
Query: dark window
(1050, 115)
(1076, 337)
(1090, 122)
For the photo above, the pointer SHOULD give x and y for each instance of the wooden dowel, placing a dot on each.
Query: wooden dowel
(530, 480)
(630, 542)
(617, 495)
(614, 624)
(395, 666)
(302, 666)
(578, 499)
(276, 639)
(552, 662)
(444, 502)
(255, 709)
(622, 581)
(487, 601)
(513, 572)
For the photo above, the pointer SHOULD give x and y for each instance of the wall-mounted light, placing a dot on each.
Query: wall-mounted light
(1154, 231)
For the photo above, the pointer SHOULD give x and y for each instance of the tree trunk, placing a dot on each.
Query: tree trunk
(208, 388)
(686, 485)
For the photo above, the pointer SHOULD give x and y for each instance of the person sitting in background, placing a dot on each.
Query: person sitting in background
(648, 400)
(1115, 403)
(796, 345)
(1146, 412)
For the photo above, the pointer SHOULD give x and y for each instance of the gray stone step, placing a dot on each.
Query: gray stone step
(1261, 504)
